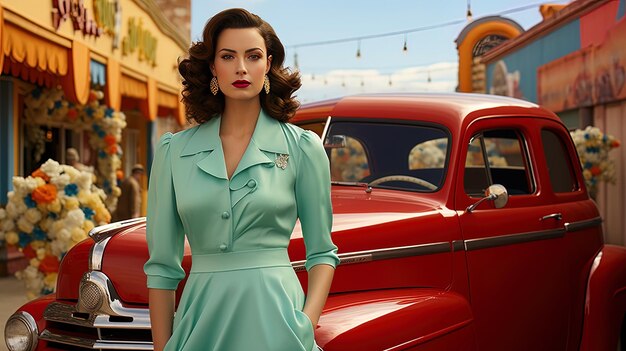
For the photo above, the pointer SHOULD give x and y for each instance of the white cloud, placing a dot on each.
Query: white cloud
(336, 83)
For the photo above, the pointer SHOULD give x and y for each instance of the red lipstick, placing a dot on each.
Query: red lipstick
(241, 84)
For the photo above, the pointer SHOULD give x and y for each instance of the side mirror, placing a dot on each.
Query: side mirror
(497, 193)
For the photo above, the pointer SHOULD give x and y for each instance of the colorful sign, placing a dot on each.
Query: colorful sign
(62, 10)
(593, 75)
(141, 40)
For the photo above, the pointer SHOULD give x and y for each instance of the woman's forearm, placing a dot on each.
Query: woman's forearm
(161, 315)
(320, 277)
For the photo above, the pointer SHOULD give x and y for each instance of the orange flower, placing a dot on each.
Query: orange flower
(119, 174)
(49, 264)
(595, 170)
(44, 194)
(110, 139)
(39, 173)
(113, 149)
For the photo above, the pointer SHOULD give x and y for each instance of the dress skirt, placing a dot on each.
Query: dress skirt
(239, 301)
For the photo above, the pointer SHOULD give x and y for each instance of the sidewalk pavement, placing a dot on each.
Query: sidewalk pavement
(12, 296)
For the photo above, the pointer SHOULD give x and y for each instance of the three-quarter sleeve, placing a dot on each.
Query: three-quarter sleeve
(313, 202)
(164, 229)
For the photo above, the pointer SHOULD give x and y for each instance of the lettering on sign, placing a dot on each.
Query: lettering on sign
(76, 11)
(109, 17)
(139, 39)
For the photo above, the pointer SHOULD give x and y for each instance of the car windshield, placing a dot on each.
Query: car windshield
(388, 154)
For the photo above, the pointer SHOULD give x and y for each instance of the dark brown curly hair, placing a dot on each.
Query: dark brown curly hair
(201, 105)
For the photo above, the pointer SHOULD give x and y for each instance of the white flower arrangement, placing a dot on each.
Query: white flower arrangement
(49, 212)
(45, 105)
(593, 148)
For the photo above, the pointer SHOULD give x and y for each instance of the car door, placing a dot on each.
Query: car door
(515, 255)
(579, 215)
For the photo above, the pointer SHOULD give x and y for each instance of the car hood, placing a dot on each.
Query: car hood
(354, 210)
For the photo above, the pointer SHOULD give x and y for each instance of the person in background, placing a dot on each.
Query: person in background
(73, 159)
(129, 203)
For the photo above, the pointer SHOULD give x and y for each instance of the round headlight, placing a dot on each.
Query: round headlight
(20, 332)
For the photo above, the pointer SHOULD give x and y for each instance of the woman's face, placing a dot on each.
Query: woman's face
(241, 62)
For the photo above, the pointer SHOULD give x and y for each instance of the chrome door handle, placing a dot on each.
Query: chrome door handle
(556, 216)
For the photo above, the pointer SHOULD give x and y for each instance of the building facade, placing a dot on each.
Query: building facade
(573, 63)
(96, 76)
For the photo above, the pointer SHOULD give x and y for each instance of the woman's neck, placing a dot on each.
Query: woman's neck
(240, 117)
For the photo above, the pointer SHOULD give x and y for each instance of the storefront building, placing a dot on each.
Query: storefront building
(99, 76)
(573, 63)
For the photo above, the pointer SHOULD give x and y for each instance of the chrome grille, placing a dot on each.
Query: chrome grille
(68, 329)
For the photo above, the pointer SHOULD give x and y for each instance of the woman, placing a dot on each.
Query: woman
(234, 185)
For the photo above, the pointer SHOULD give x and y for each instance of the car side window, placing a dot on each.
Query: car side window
(558, 163)
(349, 163)
(507, 163)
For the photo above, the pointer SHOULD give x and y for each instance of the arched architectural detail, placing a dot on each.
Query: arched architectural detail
(495, 26)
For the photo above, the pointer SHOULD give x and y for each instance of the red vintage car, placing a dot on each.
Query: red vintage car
(462, 222)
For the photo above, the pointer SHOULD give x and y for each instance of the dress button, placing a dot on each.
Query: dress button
(223, 247)
(251, 183)
(226, 215)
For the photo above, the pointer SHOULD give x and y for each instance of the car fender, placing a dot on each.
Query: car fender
(605, 302)
(396, 319)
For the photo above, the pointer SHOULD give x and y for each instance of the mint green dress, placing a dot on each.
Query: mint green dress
(241, 293)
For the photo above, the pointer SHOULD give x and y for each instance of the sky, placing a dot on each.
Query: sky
(333, 70)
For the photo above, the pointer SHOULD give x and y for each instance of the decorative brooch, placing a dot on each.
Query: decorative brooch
(281, 161)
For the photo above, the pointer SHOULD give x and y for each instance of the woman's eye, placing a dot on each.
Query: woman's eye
(254, 57)
(227, 57)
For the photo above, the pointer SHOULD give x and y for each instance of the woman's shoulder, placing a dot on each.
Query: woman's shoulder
(298, 135)
(174, 140)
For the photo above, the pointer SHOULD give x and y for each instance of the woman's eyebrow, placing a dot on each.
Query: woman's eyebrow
(235, 51)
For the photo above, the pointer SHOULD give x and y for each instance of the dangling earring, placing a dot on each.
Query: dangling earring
(214, 86)
(266, 84)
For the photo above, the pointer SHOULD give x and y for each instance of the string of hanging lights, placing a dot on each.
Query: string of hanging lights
(405, 33)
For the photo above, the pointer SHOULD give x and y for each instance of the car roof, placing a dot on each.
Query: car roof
(453, 109)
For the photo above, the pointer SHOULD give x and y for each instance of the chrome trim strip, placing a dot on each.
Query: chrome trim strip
(384, 254)
(95, 344)
(510, 239)
(458, 245)
(582, 225)
(97, 254)
(104, 231)
(30, 323)
(101, 235)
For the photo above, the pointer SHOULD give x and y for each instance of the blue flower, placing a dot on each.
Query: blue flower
(25, 239)
(39, 234)
(52, 215)
(109, 112)
(95, 127)
(102, 154)
(588, 165)
(89, 111)
(58, 104)
(587, 136)
(71, 189)
(30, 203)
(46, 291)
(101, 133)
(88, 212)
